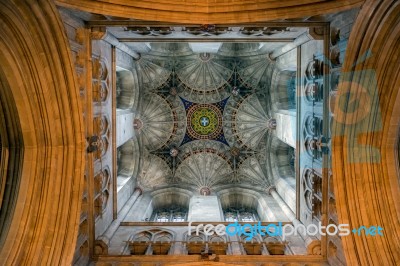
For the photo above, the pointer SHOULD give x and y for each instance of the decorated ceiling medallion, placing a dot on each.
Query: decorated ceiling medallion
(205, 57)
(205, 191)
(204, 121)
(173, 152)
(137, 124)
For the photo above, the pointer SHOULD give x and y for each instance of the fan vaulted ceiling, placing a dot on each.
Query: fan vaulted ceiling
(206, 117)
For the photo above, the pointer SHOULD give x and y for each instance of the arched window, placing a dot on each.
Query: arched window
(247, 216)
(179, 217)
(240, 215)
(170, 215)
(170, 206)
(231, 216)
(162, 216)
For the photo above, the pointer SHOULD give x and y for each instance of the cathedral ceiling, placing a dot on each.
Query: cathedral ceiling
(205, 116)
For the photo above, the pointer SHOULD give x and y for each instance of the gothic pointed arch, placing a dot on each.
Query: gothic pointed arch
(39, 82)
(210, 12)
(370, 161)
(127, 89)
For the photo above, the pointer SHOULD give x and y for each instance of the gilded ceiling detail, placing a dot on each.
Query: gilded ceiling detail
(204, 120)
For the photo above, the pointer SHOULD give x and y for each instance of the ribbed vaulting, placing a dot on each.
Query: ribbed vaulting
(44, 96)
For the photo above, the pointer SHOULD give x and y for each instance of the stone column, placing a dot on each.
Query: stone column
(312, 243)
(124, 123)
(286, 127)
(205, 209)
(235, 246)
(178, 248)
(103, 241)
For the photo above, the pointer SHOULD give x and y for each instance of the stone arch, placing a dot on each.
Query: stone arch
(194, 237)
(376, 30)
(155, 241)
(171, 196)
(251, 245)
(173, 200)
(127, 89)
(163, 236)
(281, 159)
(216, 238)
(143, 236)
(283, 89)
(211, 12)
(139, 242)
(10, 156)
(244, 198)
(162, 242)
(39, 79)
(253, 239)
(201, 237)
(281, 168)
(127, 159)
(275, 245)
(198, 243)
